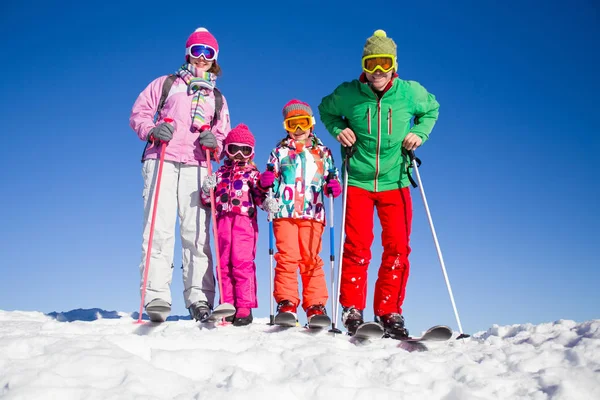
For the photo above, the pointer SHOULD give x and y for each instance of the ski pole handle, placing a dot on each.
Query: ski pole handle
(330, 176)
(414, 160)
(349, 152)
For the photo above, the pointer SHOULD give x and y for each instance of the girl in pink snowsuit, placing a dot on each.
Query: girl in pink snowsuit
(237, 196)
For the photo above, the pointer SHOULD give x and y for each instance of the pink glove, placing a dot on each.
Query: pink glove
(266, 179)
(334, 186)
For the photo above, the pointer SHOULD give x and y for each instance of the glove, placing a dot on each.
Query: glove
(210, 182)
(161, 132)
(266, 179)
(207, 140)
(334, 187)
(271, 205)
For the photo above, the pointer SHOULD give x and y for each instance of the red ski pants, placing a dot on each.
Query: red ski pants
(299, 244)
(394, 208)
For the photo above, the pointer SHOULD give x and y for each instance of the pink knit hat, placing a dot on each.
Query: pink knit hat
(201, 36)
(241, 135)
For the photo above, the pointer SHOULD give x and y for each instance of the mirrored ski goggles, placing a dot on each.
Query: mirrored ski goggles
(203, 50)
(382, 62)
(304, 122)
(243, 149)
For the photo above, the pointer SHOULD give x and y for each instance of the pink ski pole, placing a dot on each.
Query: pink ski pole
(213, 212)
(163, 147)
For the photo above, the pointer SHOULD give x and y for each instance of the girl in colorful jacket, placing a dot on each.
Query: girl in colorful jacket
(186, 124)
(301, 165)
(372, 115)
(237, 196)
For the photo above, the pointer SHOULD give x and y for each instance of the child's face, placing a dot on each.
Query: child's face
(239, 151)
(299, 135)
(239, 157)
(299, 127)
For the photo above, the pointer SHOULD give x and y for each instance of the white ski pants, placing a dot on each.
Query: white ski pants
(179, 194)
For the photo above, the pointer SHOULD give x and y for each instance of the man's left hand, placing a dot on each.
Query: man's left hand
(411, 141)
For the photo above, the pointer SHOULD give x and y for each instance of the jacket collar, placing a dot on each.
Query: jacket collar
(314, 142)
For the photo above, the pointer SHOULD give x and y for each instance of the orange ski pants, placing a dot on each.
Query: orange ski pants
(298, 244)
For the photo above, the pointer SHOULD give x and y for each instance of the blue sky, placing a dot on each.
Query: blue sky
(508, 171)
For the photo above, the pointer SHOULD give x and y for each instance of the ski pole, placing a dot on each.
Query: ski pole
(270, 167)
(415, 165)
(347, 156)
(213, 212)
(163, 147)
(330, 176)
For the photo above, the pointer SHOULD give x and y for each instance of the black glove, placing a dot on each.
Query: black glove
(161, 132)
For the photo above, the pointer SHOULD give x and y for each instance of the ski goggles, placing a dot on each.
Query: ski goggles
(232, 149)
(304, 122)
(378, 62)
(202, 50)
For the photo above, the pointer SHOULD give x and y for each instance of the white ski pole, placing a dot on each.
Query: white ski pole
(335, 318)
(415, 162)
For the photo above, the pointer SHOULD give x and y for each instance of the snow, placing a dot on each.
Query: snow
(97, 354)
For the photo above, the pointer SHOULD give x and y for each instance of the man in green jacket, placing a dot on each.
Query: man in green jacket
(372, 117)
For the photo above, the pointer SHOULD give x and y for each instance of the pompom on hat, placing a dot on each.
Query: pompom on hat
(240, 134)
(201, 36)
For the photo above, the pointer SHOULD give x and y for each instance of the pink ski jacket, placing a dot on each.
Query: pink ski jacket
(184, 146)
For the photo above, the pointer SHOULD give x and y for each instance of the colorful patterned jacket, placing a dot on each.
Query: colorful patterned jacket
(237, 189)
(301, 172)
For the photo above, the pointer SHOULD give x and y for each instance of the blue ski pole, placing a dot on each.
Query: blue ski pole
(272, 315)
(333, 329)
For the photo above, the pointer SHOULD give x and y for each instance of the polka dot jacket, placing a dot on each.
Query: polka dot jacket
(237, 189)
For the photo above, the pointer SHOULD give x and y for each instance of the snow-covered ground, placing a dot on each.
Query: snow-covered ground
(76, 356)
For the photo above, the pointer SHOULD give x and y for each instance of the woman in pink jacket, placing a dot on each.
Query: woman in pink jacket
(237, 196)
(188, 123)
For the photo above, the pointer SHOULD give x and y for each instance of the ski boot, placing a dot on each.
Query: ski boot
(158, 310)
(393, 324)
(317, 316)
(242, 320)
(352, 318)
(286, 314)
(200, 311)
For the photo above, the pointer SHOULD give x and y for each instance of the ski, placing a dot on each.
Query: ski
(437, 333)
(369, 330)
(319, 322)
(221, 311)
(286, 319)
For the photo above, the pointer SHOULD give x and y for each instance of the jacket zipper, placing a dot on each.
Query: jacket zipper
(389, 127)
(378, 144)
